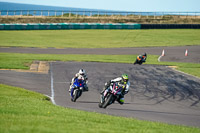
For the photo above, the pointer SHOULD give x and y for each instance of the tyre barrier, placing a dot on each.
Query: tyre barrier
(170, 26)
(61, 26)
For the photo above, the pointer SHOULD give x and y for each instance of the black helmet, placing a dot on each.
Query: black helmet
(144, 54)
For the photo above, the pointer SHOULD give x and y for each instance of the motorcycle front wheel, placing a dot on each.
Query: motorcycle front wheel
(108, 101)
(75, 93)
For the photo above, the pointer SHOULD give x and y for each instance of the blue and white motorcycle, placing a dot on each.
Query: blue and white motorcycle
(77, 89)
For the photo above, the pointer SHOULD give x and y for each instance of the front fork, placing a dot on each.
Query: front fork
(103, 95)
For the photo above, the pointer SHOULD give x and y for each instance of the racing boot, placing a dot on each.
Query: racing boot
(85, 88)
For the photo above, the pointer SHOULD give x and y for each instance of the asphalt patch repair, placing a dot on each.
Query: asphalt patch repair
(35, 67)
(40, 66)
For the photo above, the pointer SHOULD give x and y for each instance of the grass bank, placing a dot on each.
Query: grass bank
(99, 38)
(25, 111)
(23, 61)
(104, 18)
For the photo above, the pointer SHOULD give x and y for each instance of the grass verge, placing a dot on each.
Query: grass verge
(23, 61)
(25, 111)
(99, 38)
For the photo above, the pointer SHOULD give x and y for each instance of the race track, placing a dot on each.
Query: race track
(172, 54)
(157, 93)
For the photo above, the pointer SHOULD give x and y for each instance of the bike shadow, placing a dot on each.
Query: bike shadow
(155, 112)
(87, 102)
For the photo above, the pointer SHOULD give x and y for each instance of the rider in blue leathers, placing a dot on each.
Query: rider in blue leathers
(82, 73)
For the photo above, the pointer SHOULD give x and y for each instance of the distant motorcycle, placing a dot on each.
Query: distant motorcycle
(77, 89)
(110, 95)
(141, 59)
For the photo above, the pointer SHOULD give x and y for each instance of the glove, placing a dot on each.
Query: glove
(108, 83)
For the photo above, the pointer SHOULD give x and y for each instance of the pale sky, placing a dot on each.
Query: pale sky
(121, 5)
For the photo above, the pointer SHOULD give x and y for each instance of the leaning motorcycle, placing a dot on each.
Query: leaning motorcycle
(140, 61)
(110, 95)
(77, 89)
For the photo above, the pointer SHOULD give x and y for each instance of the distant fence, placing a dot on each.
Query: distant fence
(96, 14)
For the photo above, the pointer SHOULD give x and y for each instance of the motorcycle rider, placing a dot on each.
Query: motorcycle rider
(123, 82)
(80, 84)
(140, 59)
(84, 75)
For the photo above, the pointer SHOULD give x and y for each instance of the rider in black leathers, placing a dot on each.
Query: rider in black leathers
(140, 59)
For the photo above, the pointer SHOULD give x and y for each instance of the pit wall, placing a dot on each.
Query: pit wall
(68, 26)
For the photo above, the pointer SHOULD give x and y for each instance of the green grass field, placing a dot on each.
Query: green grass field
(99, 38)
(24, 111)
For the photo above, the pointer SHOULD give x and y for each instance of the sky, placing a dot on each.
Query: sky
(121, 5)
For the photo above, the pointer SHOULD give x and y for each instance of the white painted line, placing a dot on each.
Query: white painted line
(52, 89)
(159, 58)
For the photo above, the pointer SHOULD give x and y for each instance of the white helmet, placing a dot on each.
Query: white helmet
(81, 71)
(80, 78)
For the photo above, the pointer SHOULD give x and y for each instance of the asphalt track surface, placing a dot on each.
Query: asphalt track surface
(174, 54)
(157, 93)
